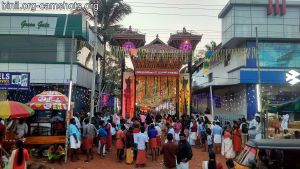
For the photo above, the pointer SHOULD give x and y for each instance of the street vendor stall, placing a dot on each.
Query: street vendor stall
(48, 124)
(11, 110)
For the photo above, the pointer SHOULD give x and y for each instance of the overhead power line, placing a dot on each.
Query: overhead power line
(173, 14)
(174, 7)
(173, 4)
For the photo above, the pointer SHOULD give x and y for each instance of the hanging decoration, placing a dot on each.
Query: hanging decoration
(186, 45)
(152, 91)
(208, 55)
(184, 94)
(128, 95)
(128, 45)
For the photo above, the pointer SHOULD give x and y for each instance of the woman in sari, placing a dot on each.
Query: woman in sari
(18, 157)
(193, 132)
(237, 139)
(227, 148)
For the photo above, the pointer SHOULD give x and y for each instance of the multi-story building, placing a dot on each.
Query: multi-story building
(233, 74)
(40, 46)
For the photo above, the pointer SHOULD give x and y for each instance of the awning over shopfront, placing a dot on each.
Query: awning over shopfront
(288, 107)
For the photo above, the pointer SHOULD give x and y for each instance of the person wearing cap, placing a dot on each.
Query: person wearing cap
(169, 151)
(184, 153)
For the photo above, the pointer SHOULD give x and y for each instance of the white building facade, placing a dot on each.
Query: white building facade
(233, 75)
(40, 45)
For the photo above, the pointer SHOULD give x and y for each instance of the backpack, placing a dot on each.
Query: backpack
(245, 128)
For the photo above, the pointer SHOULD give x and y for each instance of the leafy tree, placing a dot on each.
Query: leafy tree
(109, 14)
(211, 46)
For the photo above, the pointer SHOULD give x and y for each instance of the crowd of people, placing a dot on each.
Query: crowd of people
(168, 135)
(149, 133)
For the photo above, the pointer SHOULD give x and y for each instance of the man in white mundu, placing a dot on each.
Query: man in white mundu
(217, 136)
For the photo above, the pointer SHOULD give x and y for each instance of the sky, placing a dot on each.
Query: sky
(164, 17)
(153, 17)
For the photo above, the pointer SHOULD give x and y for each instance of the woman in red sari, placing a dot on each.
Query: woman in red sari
(237, 139)
(109, 136)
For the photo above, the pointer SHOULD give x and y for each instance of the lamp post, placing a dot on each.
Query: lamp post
(258, 90)
(211, 102)
(68, 115)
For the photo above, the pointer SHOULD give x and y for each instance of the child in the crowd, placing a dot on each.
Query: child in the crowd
(102, 139)
(113, 131)
(209, 140)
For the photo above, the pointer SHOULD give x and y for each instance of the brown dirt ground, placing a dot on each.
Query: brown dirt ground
(110, 162)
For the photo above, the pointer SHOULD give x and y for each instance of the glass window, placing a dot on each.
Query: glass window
(279, 55)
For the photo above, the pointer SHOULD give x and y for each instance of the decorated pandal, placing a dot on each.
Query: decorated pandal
(156, 84)
(153, 91)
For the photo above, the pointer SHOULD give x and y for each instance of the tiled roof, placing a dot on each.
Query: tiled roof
(158, 45)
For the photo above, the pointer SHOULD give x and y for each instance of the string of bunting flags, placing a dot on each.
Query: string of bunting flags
(216, 56)
(210, 57)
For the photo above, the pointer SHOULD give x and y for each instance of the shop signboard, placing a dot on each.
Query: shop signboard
(156, 72)
(292, 77)
(14, 80)
(29, 25)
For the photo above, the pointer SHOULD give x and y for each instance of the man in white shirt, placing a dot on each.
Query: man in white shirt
(284, 123)
(252, 127)
(141, 141)
(258, 129)
(21, 129)
(171, 130)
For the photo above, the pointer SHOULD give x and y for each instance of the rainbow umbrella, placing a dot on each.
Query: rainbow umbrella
(12, 109)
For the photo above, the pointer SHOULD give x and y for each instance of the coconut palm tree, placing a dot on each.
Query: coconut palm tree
(108, 15)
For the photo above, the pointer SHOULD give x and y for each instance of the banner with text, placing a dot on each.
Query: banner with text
(14, 81)
(156, 72)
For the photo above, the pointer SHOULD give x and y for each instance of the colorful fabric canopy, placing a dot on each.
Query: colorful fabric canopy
(49, 100)
(12, 109)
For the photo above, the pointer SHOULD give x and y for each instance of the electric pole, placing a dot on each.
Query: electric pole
(258, 89)
(92, 106)
(68, 115)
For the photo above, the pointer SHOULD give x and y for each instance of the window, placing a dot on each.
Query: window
(210, 77)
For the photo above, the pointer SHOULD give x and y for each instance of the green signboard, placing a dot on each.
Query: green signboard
(61, 25)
